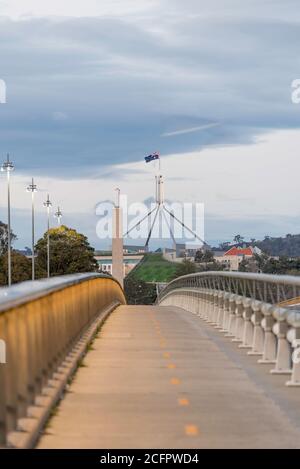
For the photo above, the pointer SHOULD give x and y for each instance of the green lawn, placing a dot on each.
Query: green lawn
(154, 268)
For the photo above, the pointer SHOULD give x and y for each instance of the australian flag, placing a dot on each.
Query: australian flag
(154, 156)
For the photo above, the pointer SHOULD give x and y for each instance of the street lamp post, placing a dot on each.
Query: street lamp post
(32, 188)
(58, 215)
(8, 167)
(48, 206)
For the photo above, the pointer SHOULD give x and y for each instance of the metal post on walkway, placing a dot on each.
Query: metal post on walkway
(32, 188)
(48, 206)
(8, 167)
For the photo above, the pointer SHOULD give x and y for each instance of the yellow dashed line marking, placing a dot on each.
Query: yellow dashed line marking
(175, 381)
(183, 401)
(191, 430)
(171, 366)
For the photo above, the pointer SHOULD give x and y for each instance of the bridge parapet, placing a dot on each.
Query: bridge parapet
(46, 326)
(251, 309)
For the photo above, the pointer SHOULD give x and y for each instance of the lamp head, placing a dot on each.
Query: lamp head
(7, 165)
(32, 187)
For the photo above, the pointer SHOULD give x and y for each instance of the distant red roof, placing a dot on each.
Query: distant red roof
(234, 251)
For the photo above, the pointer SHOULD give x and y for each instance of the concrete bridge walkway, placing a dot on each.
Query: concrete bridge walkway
(160, 377)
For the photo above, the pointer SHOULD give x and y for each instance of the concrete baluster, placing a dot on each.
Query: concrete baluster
(239, 320)
(220, 310)
(232, 317)
(258, 333)
(215, 308)
(206, 306)
(211, 306)
(293, 318)
(200, 303)
(248, 326)
(270, 340)
(284, 352)
(226, 308)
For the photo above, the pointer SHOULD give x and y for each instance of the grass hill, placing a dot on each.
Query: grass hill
(154, 268)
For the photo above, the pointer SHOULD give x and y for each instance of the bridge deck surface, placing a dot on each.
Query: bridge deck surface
(160, 377)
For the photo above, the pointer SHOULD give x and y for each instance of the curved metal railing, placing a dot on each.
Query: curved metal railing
(263, 287)
(40, 324)
(255, 310)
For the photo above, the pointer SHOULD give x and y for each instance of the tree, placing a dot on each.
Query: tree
(238, 239)
(20, 266)
(4, 237)
(139, 292)
(184, 268)
(70, 252)
(204, 256)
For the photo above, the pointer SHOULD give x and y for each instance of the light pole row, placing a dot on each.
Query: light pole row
(7, 167)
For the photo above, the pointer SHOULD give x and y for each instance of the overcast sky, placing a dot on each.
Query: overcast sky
(94, 86)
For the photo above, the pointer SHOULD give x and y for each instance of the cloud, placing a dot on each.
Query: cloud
(95, 88)
(59, 116)
(190, 130)
(124, 84)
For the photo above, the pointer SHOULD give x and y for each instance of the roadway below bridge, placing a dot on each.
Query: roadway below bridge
(160, 377)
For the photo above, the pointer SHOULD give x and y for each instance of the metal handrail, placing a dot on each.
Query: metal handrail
(25, 292)
(248, 309)
(264, 287)
(41, 322)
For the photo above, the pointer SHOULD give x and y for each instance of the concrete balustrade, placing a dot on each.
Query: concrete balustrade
(258, 331)
(226, 312)
(239, 320)
(220, 312)
(280, 328)
(41, 323)
(293, 336)
(232, 316)
(247, 333)
(265, 330)
(270, 340)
